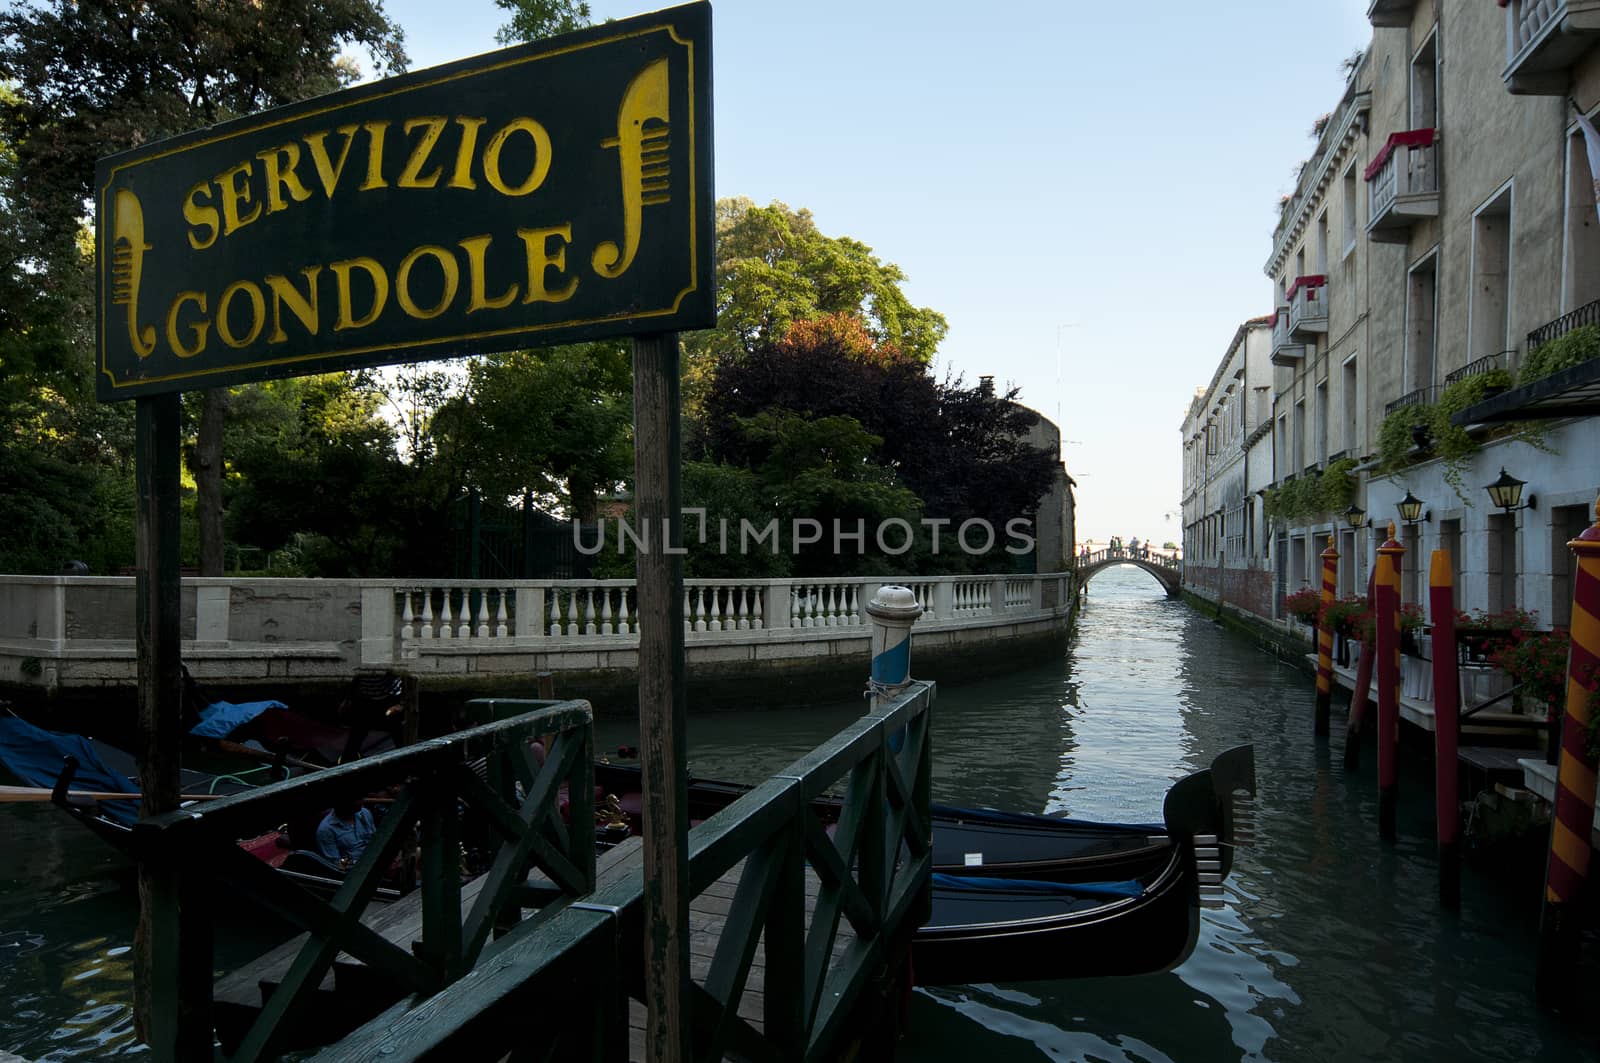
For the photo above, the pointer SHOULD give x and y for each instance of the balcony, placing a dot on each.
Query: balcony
(1308, 308)
(1391, 12)
(1479, 366)
(1588, 314)
(1543, 39)
(1402, 185)
(1285, 352)
(1420, 397)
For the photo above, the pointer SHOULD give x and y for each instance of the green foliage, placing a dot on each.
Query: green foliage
(1395, 441)
(1537, 661)
(1336, 487)
(1295, 502)
(1303, 605)
(1451, 442)
(1573, 348)
(1343, 616)
(533, 20)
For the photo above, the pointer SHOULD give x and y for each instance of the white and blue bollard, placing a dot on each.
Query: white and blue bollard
(893, 610)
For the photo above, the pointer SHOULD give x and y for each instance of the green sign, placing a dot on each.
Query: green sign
(542, 194)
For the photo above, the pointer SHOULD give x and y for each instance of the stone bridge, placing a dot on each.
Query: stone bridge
(1166, 568)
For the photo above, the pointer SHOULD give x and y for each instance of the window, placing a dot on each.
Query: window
(1580, 284)
(1450, 542)
(1280, 449)
(1299, 441)
(1502, 561)
(1566, 524)
(1322, 243)
(1300, 263)
(1421, 321)
(1320, 452)
(1349, 395)
(1348, 212)
(1491, 277)
(1425, 85)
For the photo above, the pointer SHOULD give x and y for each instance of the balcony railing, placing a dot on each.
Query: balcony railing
(1479, 366)
(1543, 40)
(1285, 352)
(1584, 315)
(1308, 308)
(1402, 185)
(1391, 12)
(1419, 397)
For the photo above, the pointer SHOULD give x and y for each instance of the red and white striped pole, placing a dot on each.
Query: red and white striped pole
(1573, 821)
(1358, 696)
(1330, 574)
(1446, 726)
(1388, 672)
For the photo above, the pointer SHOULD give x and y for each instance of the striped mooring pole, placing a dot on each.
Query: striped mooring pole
(1330, 576)
(1388, 672)
(1559, 923)
(1358, 696)
(1446, 726)
(892, 610)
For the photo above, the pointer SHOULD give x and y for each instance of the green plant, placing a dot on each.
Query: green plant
(1395, 440)
(1537, 661)
(1411, 621)
(1451, 442)
(1573, 348)
(1303, 605)
(1336, 487)
(1342, 616)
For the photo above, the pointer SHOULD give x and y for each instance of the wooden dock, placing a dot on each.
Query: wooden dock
(1416, 707)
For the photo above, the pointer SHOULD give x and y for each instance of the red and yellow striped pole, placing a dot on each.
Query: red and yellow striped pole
(1446, 726)
(1330, 574)
(1575, 786)
(1358, 697)
(1388, 673)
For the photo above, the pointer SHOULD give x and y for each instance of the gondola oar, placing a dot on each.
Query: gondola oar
(41, 793)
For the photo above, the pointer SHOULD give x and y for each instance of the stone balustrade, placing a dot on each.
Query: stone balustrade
(77, 631)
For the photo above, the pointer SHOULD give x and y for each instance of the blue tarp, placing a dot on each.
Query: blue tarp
(34, 755)
(1125, 888)
(222, 718)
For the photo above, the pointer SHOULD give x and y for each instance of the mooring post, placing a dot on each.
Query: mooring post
(1387, 623)
(1358, 697)
(893, 610)
(1570, 826)
(662, 699)
(1446, 726)
(1330, 576)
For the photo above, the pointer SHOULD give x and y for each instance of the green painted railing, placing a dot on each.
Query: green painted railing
(191, 860)
(560, 987)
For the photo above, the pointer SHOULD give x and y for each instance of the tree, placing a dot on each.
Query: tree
(98, 76)
(533, 20)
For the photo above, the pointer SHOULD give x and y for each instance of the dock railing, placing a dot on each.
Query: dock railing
(191, 859)
(873, 880)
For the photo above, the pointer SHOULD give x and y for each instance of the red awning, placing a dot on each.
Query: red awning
(1316, 280)
(1411, 138)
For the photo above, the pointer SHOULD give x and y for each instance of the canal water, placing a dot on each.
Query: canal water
(1330, 945)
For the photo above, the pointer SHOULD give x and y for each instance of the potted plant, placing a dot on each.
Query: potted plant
(1303, 605)
(1342, 617)
(1480, 633)
(1537, 662)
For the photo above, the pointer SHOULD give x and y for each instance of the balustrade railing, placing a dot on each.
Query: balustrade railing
(1478, 366)
(1308, 303)
(1526, 20)
(1407, 165)
(1419, 397)
(1588, 314)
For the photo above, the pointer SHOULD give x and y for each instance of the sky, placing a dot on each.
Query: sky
(1086, 191)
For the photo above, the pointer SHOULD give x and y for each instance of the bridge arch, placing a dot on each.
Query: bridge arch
(1168, 571)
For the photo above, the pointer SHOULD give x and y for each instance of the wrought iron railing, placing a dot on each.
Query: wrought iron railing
(1419, 397)
(1478, 366)
(1589, 314)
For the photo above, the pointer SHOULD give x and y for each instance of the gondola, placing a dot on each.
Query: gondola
(1019, 897)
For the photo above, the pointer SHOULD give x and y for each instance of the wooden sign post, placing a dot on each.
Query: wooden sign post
(553, 192)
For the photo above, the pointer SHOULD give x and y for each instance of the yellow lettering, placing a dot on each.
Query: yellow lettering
(402, 281)
(281, 179)
(201, 327)
(541, 156)
(327, 170)
(234, 194)
(258, 313)
(346, 318)
(375, 132)
(411, 176)
(304, 307)
(462, 178)
(200, 217)
(537, 242)
(476, 248)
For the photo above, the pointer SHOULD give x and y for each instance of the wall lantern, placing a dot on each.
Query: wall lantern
(1356, 517)
(1506, 492)
(1410, 508)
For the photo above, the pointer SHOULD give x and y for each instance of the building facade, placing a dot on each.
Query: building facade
(1443, 231)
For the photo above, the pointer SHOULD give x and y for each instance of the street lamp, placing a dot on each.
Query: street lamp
(1356, 517)
(1506, 492)
(1410, 508)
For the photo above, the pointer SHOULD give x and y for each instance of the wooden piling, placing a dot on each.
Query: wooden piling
(1570, 827)
(1330, 574)
(1387, 650)
(1358, 696)
(1446, 726)
(662, 699)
